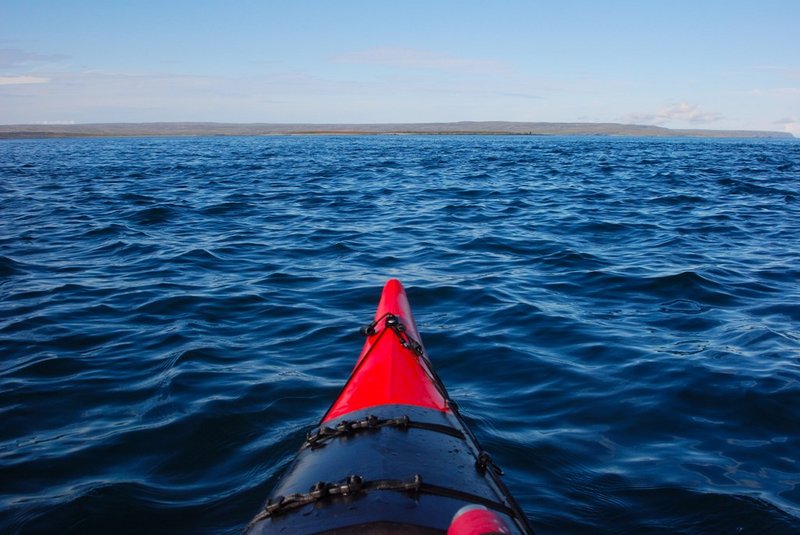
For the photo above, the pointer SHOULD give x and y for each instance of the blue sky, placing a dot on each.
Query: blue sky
(684, 64)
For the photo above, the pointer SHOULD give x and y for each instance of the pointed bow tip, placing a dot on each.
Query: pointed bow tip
(393, 285)
(393, 299)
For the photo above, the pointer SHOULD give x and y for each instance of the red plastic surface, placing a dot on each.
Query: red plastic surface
(387, 372)
(477, 520)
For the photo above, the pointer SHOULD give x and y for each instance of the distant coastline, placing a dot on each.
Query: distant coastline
(32, 131)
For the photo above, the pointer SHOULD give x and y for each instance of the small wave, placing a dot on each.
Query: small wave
(138, 199)
(283, 278)
(9, 267)
(691, 284)
(601, 227)
(199, 257)
(154, 216)
(571, 259)
(200, 355)
(228, 208)
(683, 306)
(679, 200)
(113, 229)
(123, 248)
(48, 366)
(173, 304)
(499, 245)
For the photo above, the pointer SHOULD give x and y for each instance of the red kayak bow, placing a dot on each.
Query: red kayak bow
(392, 368)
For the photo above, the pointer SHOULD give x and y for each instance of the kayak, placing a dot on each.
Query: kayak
(392, 454)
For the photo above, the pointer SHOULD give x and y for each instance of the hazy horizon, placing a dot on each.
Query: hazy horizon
(458, 127)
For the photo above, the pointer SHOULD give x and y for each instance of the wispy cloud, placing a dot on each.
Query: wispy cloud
(11, 58)
(94, 96)
(788, 72)
(790, 124)
(410, 58)
(776, 91)
(683, 112)
(20, 80)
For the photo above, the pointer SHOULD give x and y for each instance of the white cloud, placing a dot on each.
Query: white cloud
(22, 79)
(683, 112)
(791, 125)
(410, 58)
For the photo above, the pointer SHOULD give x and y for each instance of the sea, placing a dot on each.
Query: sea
(618, 319)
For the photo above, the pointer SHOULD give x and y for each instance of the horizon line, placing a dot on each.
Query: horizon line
(177, 128)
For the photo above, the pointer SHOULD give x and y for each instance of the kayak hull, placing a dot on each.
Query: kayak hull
(379, 464)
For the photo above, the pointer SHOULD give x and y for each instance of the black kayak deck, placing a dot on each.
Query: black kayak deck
(387, 469)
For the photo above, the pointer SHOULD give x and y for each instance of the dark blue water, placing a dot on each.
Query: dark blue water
(618, 318)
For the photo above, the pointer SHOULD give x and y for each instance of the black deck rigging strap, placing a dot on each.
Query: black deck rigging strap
(320, 436)
(356, 484)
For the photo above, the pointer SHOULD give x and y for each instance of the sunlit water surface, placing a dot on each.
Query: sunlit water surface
(619, 320)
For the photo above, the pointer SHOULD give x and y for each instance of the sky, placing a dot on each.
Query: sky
(681, 64)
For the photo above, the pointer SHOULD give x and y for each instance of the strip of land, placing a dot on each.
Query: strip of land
(464, 127)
